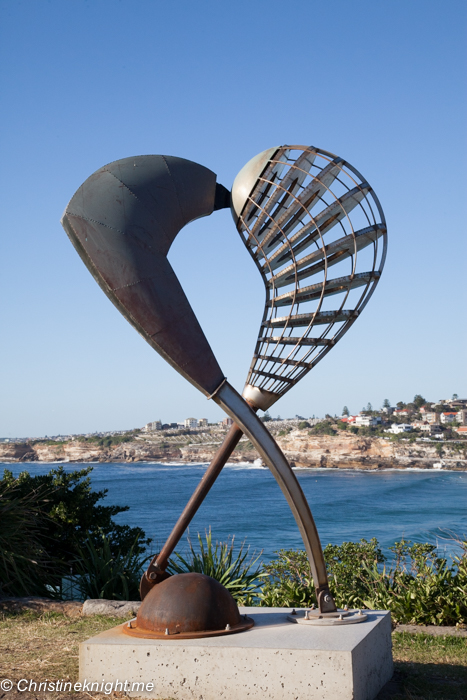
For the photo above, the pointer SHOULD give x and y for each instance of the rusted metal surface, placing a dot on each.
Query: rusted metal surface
(188, 606)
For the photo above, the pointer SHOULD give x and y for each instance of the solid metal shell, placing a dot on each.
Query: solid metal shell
(188, 605)
(122, 221)
(317, 234)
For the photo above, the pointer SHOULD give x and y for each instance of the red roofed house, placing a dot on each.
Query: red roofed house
(348, 419)
(448, 417)
(402, 412)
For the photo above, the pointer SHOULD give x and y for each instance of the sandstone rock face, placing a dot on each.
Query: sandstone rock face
(75, 451)
(16, 452)
(302, 449)
(344, 451)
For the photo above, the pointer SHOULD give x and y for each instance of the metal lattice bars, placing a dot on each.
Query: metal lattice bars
(309, 211)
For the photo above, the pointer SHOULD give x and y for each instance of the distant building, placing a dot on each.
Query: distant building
(152, 427)
(443, 403)
(203, 423)
(431, 417)
(419, 424)
(429, 428)
(461, 430)
(190, 423)
(399, 428)
(366, 421)
(462, 417)
(388, 410)
(457, 403)
(227, 422)
(401, 412)
(348, 419)
(448, 417)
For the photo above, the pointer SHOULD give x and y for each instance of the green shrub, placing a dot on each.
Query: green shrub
(323, 428)
(72, 513)
(23, 559)
(289, 582)
(234, 569)
(111, 440)
(416, 586)
(345, 564)
(419, 587)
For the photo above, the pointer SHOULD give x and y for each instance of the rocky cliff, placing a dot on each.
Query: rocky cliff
(302, 449)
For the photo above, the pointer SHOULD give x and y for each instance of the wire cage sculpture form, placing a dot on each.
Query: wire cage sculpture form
(316, 231)
(305, 216)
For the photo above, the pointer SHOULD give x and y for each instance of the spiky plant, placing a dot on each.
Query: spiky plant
(102, 573)
(233, 568)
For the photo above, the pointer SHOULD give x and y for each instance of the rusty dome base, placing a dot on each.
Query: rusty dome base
(187, 606)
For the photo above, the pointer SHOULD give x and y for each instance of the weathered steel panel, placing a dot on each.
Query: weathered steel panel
(122, 221)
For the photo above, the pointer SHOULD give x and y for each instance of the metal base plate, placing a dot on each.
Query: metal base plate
(133, 630)
(341, 617)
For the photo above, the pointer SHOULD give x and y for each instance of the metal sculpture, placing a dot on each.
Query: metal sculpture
(288, 203)
(308, 213)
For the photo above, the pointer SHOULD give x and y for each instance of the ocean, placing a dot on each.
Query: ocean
(419, 505)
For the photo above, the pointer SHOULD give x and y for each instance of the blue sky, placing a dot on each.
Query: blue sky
(381, 84)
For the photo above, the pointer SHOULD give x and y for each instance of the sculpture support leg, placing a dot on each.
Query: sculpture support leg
(245, 417)
(238, 409)
(156, 569)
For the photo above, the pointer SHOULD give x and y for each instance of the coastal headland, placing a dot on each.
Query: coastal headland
(302, 448)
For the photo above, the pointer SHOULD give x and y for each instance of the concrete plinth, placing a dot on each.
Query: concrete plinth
(275, 660)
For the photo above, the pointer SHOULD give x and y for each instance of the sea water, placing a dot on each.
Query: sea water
(245, 501)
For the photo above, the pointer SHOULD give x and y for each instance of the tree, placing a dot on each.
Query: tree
(419, 401)
(345, 411)
(386, 403)
(400, 404)
(266, 417)
(455, 397)
(369, 407)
